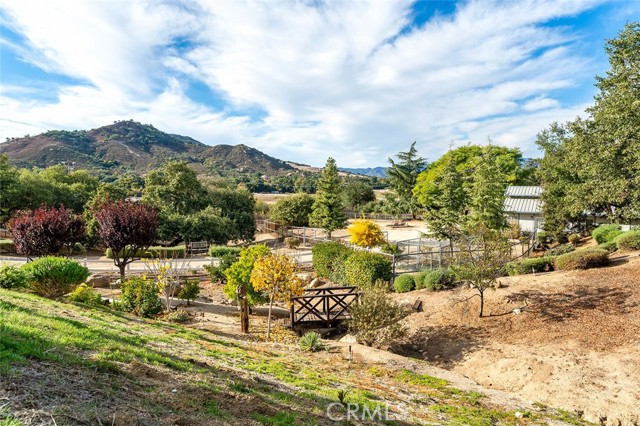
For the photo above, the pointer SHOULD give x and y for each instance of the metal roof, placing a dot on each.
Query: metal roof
(523, 205)
(524, 191)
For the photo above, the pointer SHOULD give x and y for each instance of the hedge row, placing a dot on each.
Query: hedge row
(530, 265)
(7, 246)
(220, 251)
(343, 265)
(155, 252)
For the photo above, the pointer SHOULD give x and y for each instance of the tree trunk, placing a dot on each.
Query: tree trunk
(481, 303)
(122, 267)
(244, 315)
(269, 318)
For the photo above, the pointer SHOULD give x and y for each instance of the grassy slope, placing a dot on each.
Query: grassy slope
(93, 366)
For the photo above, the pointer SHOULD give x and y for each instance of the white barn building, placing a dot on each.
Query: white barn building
(523, 205)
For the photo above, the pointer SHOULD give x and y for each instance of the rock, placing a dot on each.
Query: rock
(519, 415)
(103, 279)
(517, 311)
(316, 282)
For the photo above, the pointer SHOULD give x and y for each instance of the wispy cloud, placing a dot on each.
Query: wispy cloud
(356, 80)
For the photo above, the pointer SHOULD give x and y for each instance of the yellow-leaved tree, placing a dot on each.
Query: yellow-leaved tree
(274, 275)
(365, 233)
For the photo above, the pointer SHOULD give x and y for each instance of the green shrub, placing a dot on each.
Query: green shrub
(419, 279)
(328, 260)
(404, 283)
(311, 342)
(611, 246)
(629, 240)
(531, 265)
(605, 233)
(439, 279)
(12, 277)
(559, 250)
(155, 252)
(583, 259)
(76, 249)
(178, 316)
(363, 268)
(190, 290)
(390, 248)
(141, 296)
(292, 242)
(574, 238)
(7, 246)
(219, 251)
(85, 294)
(54, 276)
(216, 273)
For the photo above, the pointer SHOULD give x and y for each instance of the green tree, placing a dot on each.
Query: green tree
(328, 208)
(293, 210)
(9, 189)
(594, 163)
(175, 188)
(237, 205)
(239, 274)
(445, 202)
(402, 176)
(487, 193)
(357, 193)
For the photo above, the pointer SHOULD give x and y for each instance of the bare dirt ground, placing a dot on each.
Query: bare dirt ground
(575, 344)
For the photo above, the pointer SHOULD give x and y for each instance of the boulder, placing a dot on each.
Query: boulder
(103, 279)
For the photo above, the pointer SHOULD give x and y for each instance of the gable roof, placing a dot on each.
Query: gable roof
(523, 205)
(524, 191)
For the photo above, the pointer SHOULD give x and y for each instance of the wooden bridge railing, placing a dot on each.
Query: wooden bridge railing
(326, 305)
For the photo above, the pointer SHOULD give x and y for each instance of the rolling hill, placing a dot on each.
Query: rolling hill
(132, 146)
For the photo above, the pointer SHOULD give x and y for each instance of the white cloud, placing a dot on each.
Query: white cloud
(337, 79)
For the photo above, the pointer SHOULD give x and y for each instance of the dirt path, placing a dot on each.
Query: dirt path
(575, 344)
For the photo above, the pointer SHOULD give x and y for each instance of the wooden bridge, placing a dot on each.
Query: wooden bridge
(324, 306)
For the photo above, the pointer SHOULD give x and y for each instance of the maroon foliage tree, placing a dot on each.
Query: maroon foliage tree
(126, 228)
(45, 230)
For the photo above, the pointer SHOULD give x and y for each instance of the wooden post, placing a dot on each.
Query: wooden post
(292, 318)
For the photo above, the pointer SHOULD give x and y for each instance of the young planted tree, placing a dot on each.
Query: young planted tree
(275, 275)
(328, 209)
(168, 274)
(403, 175)
(126, 228)
(239, 285)
(483, 254)
(45, 230)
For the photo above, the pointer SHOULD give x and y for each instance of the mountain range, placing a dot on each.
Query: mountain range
(132, 146)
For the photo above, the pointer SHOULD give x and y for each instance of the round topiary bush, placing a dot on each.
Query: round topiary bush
(404, 283)
(605, 233)
(439, 279)
(583, 259)
(629, 240)
(53, 277)
(364, 268)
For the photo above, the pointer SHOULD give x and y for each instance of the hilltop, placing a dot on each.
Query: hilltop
(129, 145)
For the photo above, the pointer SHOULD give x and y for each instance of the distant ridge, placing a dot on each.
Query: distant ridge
(132, 146)
(379, 172)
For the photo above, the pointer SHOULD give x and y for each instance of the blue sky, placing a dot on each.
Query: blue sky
(304, 80)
